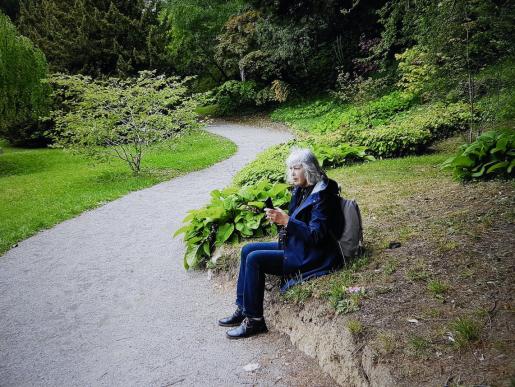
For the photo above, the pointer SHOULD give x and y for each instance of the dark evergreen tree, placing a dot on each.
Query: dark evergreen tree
(98, 37)
(11, 8)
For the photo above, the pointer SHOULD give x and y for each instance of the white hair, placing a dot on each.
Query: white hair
(303, 156)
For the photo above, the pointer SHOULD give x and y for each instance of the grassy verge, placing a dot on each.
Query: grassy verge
(42, 187)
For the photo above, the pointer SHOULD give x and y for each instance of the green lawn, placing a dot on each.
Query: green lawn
(42, 187)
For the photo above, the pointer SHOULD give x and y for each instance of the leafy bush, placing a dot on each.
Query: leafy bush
(295, 111)
(415, 70)
(410, 132)
(391, 140)
(233, 95)
(270, 164)
(232, 214)
(23, 97)
(120, 118)
(332, 153)
(491, 155)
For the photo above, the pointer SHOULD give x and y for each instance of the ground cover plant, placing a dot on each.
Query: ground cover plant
(491, 155)
(42, 187)
(389, 126)
(233, 214)
(330, 151)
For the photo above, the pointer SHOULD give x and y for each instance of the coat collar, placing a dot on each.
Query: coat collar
(320, 186)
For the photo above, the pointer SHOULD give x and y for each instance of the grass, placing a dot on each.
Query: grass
(355, 327)
(466, 330)
(437, 288)
(300, 293)
(42, 187)
(419, 345)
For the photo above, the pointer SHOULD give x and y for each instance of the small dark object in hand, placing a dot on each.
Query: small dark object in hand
(394, 245)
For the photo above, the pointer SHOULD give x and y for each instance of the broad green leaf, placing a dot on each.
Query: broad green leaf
(190, 257)
(205, 247)
(479, 173)
(224, 233)
(181, 230)
(496, 166)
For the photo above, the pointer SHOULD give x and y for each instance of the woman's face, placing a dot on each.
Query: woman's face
(297, 173)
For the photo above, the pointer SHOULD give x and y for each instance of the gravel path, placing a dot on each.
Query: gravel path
(103, 299)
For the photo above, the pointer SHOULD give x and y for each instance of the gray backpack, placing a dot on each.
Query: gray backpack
(350, 242)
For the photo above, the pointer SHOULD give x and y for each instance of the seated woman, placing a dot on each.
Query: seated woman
(306, 248)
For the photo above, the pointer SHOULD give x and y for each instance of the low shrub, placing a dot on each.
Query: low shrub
(410, 132)
(268, 165)
(330, 152)
(491, 155)
(232, 214)
(233, 95)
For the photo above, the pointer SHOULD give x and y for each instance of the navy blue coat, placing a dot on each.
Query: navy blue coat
(310, 249)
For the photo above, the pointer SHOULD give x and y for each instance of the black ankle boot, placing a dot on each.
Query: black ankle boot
(234, 320)
(249, 327)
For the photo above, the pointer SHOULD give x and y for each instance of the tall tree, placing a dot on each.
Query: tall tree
(23, 97)
(195, 25)
(97, 37)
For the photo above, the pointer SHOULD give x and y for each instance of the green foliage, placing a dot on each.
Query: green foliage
(23, 97)
(120, 118)
(491, 155)
(419, 345)
(236, 42)
(466, 330)
(343, 302)
(355, 327)
(98, 37)
(411, 132)
(194, 26)
(299, 293)
(416, 73)
(332, 154)
(233, 95)
(270, 164)
(457, 34)
(232, 214)
(437, 288)
(325, 116)
(496, 88)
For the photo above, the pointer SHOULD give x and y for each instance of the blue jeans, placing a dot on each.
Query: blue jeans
(257, 259)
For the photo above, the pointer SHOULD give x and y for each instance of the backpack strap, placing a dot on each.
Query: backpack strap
(361, 243)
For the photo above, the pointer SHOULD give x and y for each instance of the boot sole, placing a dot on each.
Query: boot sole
(229, 325)
(244, 337)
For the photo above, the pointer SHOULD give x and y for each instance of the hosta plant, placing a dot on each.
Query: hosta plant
(232, 214)
(491, 155)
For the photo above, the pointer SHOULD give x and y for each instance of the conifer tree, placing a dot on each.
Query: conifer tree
(96, 36)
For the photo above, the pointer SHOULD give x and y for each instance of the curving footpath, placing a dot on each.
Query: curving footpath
(103, 299)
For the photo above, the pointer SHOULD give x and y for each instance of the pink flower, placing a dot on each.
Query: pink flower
(355, 289)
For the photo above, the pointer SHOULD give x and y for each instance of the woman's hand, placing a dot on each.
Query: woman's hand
(277, 216)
